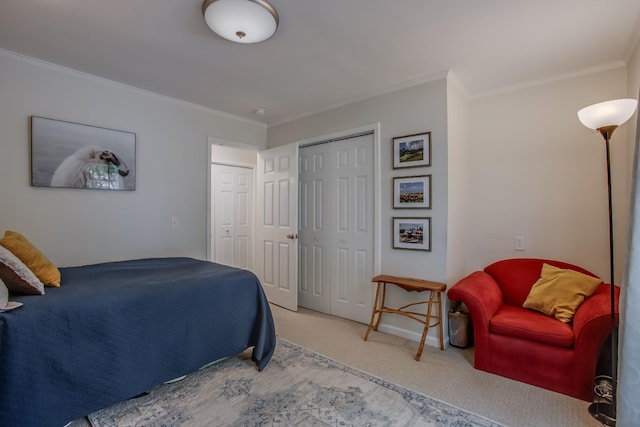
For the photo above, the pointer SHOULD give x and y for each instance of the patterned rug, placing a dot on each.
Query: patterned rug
(298, 387)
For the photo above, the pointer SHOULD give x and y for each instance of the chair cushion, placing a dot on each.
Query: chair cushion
(530, 325)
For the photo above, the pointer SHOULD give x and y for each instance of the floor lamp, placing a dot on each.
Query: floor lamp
(605, 117)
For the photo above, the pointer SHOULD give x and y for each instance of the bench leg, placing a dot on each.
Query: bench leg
(439, 302)
(374, 311)
(381, 305)
(427, 321)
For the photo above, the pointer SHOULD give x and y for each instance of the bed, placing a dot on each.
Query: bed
(115, 330)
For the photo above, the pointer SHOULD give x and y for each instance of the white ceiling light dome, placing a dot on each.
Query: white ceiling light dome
(241, 21)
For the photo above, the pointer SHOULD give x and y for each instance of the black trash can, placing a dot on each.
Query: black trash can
(460, 326)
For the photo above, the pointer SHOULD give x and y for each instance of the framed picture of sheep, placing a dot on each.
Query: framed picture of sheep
(412, 192)
(73, 155)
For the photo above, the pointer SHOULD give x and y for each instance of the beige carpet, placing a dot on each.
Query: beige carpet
(299, 388)
(446, 375)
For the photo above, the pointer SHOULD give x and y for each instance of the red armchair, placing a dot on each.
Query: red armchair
(527, 345)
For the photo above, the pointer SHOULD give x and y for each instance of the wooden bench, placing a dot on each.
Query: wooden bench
(429, 319)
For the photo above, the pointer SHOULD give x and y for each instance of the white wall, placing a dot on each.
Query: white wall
(513, 164)
(517, 163)
(74, 226)
(409, 111)
(414, 110)
(458, 182)
(535, 171)
(230, 155)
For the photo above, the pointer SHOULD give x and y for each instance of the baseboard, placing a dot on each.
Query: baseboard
(412, 335)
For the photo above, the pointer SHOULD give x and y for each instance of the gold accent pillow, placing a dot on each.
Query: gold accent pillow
(31, 256)
(559, 292)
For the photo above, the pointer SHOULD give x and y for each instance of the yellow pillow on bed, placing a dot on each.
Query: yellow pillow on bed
(31, 256)
(559, 292)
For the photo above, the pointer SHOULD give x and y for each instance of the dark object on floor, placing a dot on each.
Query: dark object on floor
(460, 326)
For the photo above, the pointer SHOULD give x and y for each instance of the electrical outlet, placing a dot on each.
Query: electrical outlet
(518, 243)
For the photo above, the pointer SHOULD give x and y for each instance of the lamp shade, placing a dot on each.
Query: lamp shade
(608, 113)
(241, 21)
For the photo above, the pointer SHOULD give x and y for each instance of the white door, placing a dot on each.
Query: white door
(337, 227)
(232, 200)
(277, 224)
(315, 228)
(352, 228)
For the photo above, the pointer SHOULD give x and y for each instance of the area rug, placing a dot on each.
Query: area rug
(298, 388)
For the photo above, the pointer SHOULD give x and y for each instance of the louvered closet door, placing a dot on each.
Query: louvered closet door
(336, 227)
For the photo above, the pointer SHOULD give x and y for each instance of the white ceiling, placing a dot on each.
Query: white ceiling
(325, 52)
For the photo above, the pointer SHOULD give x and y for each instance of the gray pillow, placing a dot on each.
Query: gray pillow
(17, 276)
(4, 295)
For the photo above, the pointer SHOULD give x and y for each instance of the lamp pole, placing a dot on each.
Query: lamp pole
(606, 412)
(605, 117)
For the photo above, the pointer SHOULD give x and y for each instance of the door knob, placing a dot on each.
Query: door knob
(292, 236)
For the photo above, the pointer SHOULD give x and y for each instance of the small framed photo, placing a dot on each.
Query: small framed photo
(412, 192)
(412, 233)
(412, 151)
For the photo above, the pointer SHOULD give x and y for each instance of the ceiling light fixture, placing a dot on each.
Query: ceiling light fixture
(241, 21)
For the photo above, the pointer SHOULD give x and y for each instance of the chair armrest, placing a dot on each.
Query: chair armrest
(482, 296)
(592, 321)
(591, 327)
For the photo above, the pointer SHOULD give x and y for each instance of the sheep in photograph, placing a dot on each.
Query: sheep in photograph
(72, 172)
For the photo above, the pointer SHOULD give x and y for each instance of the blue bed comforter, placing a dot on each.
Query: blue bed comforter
(114, 330)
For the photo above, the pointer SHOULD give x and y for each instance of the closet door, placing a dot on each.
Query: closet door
(352, 228)
(336, 227)
(315, 232)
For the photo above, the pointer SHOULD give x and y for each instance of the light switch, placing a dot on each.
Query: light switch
(518, 243)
